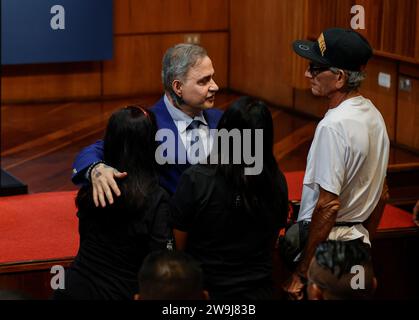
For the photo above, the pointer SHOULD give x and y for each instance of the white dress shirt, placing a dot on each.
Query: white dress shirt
(182, 121)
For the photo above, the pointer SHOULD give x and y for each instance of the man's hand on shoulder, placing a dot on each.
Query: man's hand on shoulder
(103, 181)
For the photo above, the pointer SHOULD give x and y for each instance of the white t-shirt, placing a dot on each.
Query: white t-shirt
(348, 157)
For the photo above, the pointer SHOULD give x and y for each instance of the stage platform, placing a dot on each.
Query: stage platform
(10, 185)
(38, 231)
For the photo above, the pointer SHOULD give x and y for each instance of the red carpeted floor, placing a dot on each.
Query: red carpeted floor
(44, 226)
(393, 218)
(38, 226)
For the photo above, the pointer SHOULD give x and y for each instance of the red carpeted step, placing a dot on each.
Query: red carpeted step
(44, 226)
(393, 217)
(38, 227)
(295, 184)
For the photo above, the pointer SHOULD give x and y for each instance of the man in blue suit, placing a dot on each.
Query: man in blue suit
(187, 75)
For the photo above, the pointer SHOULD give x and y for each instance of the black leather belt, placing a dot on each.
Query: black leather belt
(346, 224)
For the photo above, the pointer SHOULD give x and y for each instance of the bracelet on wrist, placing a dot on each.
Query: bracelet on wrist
(89, 170)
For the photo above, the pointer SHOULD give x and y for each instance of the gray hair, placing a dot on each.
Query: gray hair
(177, 61)
(354, 78)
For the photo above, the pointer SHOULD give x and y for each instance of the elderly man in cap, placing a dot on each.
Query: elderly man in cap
(344, 184)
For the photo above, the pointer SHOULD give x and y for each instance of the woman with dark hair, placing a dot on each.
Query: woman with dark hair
(229, 221)
(114, 240)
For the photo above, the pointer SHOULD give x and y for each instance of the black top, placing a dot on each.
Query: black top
(234, 247)
(113, 245)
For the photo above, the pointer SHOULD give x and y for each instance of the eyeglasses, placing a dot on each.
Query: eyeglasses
(315, 70)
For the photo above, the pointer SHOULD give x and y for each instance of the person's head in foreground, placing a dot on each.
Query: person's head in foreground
(337, 61)
(341, 270)
(170, 275)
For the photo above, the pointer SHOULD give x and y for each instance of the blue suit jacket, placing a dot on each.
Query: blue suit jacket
(169, 173)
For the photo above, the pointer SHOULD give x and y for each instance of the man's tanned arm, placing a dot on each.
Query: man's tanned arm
(322, 222)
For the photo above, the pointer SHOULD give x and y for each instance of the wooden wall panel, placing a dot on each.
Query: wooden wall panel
(209, 14)
(217, 46)
(409, 69)
(343, 13)
(399, 26)
(298, 64)
(136, 67)
(322, 15)
(417, 32)
(261, 47)
(156, 25)
(408, 116)
(373, 20)
(150, 16)
(50, 81)
(388, 32)
(406, 27)
(383, 98)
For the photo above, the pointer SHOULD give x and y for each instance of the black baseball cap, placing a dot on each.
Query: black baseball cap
(336, 47)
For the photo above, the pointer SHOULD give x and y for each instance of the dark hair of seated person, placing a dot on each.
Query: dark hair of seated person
(170, 275)
(330, 272)
(129, 145)
(254, 190)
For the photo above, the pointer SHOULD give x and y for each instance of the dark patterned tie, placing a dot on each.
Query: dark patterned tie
(192, 126)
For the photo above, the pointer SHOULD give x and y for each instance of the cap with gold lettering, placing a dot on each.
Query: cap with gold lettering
(336, 47)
